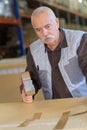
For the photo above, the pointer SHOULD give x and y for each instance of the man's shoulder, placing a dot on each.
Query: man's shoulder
(73, 31)
(36, 45)
(38, 41)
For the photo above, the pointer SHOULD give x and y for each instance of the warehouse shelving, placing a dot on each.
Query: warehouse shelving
(19, 27)
(15, 22)
(9, 21)
(60, 7)
(24, 15)
(70, 16)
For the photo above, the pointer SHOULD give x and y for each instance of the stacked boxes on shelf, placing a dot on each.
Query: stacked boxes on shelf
(76, 5)
(84, 6)
(6, 10)
(72, 4)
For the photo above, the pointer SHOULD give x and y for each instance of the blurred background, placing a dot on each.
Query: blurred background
(16, 34)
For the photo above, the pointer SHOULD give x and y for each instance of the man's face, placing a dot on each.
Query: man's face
(46, 28)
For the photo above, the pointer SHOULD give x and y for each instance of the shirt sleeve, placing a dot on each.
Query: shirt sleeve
(33, 71)
(82, 55)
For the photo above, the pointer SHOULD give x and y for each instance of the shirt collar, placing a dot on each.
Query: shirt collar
(63, 42)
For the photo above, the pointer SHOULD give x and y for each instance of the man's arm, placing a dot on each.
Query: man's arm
(34, 77)
(82, 55)
(33, 71)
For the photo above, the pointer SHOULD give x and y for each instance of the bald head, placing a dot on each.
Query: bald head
(41, 10)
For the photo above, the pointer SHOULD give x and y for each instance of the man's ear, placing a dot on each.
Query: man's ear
(57, 21)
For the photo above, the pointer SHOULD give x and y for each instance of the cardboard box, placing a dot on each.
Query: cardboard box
(11, 71)
(10, 79)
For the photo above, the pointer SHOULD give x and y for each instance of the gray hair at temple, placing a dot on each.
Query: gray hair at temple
(42, 9)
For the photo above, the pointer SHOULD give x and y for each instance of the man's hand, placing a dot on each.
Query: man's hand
(25, 98)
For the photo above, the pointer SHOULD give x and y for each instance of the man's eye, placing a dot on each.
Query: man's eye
(38, 29)
(48, 26)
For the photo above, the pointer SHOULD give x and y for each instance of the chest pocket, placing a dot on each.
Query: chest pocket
(73, 71)
(43, 77)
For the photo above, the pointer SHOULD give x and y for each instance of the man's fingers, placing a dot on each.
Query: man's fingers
(25, 98)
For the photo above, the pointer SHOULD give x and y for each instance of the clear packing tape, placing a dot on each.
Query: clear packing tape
(27, 84)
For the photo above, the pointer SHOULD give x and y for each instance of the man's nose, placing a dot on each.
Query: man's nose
(45, 31)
